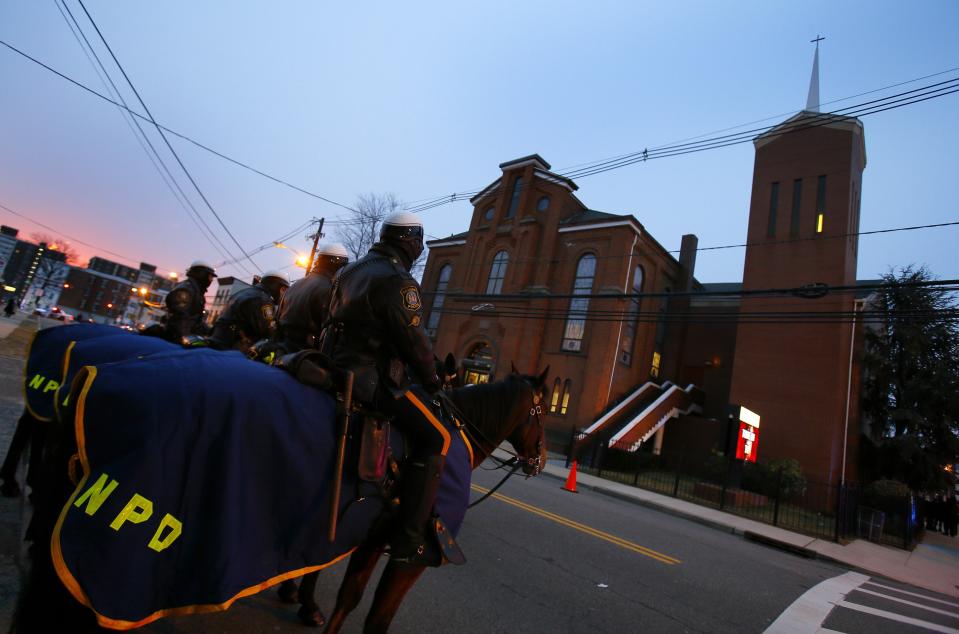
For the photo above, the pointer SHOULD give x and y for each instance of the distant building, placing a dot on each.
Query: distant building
(226, 287)
(110, 292)
(97, 296)
(28, 265)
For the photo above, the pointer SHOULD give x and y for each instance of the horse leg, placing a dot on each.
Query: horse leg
(21, 438)
(396, 581)
(362, 563)
(287, 591)
(309, 612)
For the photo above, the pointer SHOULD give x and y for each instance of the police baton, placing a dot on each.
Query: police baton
(340, 456)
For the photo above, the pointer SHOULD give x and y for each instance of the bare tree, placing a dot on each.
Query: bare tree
(362, 228)
(56, 244)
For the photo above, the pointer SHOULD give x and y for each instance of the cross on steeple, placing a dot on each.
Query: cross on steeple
(812, 99)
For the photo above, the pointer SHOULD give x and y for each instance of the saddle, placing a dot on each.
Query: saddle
(377, 464)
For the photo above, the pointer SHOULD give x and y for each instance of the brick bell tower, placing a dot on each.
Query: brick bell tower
(794, 371)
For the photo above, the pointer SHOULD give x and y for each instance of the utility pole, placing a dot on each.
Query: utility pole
(316, 239)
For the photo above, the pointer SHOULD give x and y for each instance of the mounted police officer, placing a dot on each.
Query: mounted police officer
(376, 330)
(185, 303)
(306, 305)
(250, 315)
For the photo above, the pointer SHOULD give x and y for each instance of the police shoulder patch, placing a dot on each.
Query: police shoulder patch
(411, 298)
(267, 311)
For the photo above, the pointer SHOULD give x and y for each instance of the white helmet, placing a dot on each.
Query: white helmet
(332, 250)
(402, 219)
(275, 274)
(403, 226)
(202, 264)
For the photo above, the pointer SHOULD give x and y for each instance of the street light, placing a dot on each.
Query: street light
(301, 259)
(174, 275)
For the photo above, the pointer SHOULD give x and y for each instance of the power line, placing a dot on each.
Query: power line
(165, 140)
(78, 240)
(764, 119)
(814, 291)
(167, 178)
(817, 238)
(924, 93)
(180, 135)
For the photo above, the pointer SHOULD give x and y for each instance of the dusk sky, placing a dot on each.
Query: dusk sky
(423, 99)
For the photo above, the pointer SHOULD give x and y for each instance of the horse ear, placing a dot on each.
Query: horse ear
(450, 363)
(512, 368)
(543, 376)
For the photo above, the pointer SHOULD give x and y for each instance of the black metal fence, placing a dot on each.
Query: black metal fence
(778, 496)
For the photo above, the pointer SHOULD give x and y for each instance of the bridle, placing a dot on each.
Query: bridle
(517, 460)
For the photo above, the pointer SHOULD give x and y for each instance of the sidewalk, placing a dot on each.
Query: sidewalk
(933, 565)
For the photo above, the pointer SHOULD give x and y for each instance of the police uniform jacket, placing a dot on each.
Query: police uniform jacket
(185, 310)
(303, 312)
(247, 319)
(376, 327)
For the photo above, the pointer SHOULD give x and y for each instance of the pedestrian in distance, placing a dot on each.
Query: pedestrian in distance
(10, 308)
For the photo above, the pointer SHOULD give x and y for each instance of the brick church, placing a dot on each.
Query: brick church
(633, 340)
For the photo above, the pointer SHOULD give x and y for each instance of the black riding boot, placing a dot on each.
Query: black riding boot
(420, 484)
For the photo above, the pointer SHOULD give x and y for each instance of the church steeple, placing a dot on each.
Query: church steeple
(812, 100)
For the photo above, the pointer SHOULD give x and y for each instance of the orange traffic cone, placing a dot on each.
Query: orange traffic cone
(571, 480)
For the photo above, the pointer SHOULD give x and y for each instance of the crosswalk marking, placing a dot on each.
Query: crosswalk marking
(912, 603)
(914, 594)
(892, 616)
(807, 613)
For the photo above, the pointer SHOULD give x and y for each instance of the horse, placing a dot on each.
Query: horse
(309, 611)
(139, 381)
(509, 410)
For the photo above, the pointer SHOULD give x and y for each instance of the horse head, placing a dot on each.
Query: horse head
(447, 372)
(528, 438)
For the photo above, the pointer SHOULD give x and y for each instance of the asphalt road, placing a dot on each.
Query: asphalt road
(544, 560)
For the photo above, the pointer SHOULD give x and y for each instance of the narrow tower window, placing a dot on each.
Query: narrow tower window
(797, 203)
(514, 201)
(773, 207)
(820, 203)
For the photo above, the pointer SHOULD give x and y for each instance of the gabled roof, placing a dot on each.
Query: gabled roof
(590, 215)
(453, 238)
(805, 119)
(541, 170)
(535, 159)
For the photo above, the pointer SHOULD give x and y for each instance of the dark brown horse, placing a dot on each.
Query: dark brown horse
(506, 410)
(305, 593)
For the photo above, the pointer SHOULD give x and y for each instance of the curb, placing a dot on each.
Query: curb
(771, 542)
(651, 505)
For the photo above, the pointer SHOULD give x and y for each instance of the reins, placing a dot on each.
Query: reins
(515, 462)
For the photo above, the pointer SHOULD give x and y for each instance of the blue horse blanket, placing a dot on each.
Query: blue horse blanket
(44, 368)
(206, 478)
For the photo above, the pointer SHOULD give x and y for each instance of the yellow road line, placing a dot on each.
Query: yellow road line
(559, 519)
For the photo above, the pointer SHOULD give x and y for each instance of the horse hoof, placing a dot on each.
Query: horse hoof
(10, 489)
(287, 592)
(313, 618)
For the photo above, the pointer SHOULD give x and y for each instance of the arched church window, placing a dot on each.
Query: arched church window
(632, 320)
(576, 318)
(438, 298)
(497, 273)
